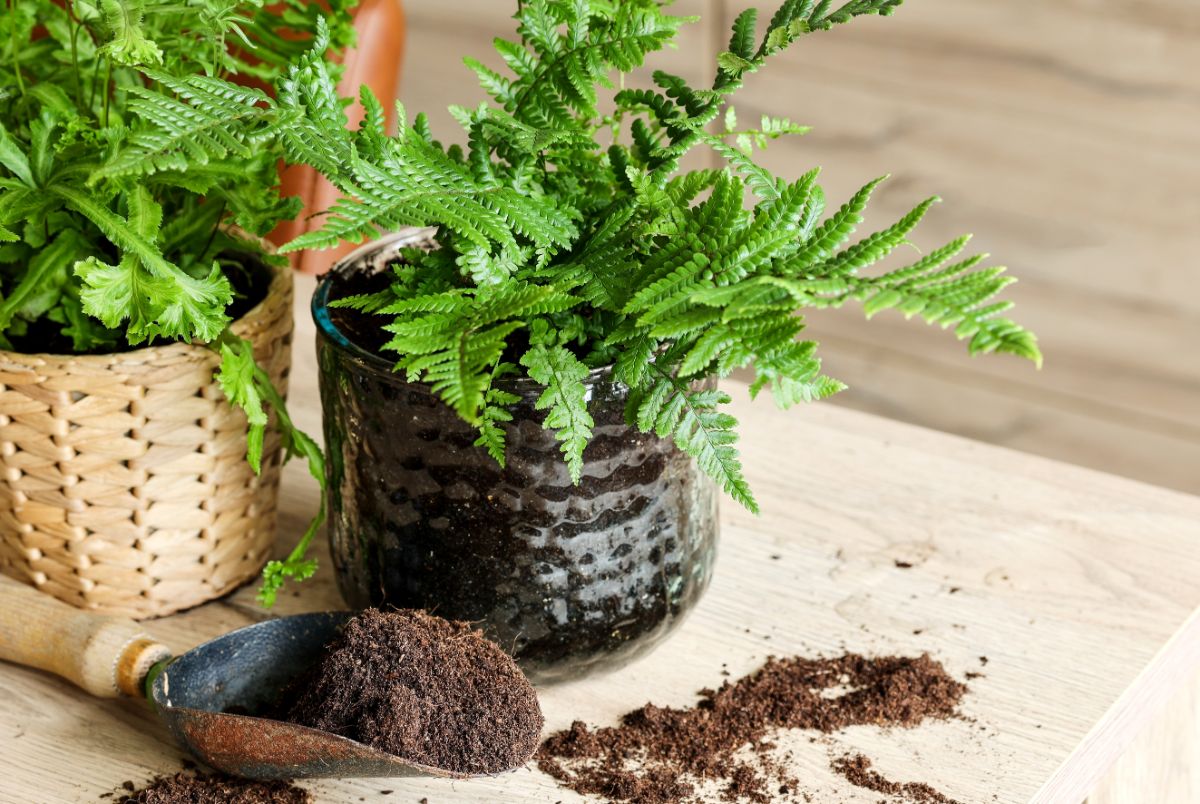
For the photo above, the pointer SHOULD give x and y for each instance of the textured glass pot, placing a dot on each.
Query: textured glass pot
(570, 580)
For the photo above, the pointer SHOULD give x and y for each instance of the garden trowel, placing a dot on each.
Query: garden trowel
(205, 697)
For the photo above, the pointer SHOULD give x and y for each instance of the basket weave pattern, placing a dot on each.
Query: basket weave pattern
(125, 487)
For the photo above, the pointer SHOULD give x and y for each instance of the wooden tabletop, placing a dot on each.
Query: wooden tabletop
(1082, 590)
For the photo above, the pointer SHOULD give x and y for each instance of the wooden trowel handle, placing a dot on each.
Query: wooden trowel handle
(101, 654)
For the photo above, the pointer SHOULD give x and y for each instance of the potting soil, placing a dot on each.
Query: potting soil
(423, 688)
(187, 787)
(659, 755)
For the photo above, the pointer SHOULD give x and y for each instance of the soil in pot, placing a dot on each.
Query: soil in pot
(428, 690)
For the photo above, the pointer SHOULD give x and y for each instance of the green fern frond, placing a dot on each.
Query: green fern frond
(876, 247)
(831, 234)
(154, 296)
(741, 44)
(565, 398)
(496, 415)
(958, 295)
(670, 408)
(365, 302)
(128, 43)
(208, 121)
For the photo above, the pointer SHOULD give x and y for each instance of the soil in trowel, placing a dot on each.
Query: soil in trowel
(429, 690)
(659, 755)
(196, 788)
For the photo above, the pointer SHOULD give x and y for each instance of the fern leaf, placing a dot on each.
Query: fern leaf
(491, 426)
(364, 302)
(128, 43)
(633, 364)
(565, 397)
(691, 418)
(833, 232)
(763, 184)
(741, 44)
(875, 247)
(43, 283)
(492, 82)
(15, 159)
(236, 378)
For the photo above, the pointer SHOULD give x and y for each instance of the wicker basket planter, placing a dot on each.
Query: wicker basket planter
(124, 484)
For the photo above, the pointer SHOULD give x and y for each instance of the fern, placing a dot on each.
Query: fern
(204, 121)
(121, 128)
(568, 238)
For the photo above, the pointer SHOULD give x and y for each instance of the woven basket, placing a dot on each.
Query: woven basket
(125, 486)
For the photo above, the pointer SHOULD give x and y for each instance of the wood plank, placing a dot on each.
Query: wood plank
(1161, 764)
(955, 397)
(1165, 398)
(1055, 565)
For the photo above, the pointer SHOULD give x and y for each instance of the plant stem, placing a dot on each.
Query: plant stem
(73, 23)
(107, 88)
(213, 234)
(12, 5)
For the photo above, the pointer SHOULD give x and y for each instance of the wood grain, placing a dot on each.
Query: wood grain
(1160, 765)
(1079, 588)
(103, 655)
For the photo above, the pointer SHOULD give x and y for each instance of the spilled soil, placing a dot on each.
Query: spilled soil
(189, 787)
(659, 755)
(857, 770)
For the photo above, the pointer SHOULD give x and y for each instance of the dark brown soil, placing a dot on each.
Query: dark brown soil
(659, 755)
(362, 329)
(857, 770)
(195, 788)
(426, 689)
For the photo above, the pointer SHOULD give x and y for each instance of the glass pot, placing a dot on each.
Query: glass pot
(568, 579)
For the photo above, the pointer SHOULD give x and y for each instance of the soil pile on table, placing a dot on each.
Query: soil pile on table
(426, 689)
(659, 755)
(196, 788)
(857, 770)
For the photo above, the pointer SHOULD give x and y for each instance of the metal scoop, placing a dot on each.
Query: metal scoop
(205, 697)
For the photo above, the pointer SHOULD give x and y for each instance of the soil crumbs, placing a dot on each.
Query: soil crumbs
(660, 755)
(188, 787)
(423, 688)
(857, 770)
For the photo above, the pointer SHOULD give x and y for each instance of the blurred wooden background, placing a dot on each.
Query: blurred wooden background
(1066, 136)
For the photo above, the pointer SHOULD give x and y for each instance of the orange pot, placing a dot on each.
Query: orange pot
(375, 61)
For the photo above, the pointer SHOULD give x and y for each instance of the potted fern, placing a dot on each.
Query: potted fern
(521, 413)
(130, 269)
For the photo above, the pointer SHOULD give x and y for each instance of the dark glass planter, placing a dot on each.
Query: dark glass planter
(570, 580)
